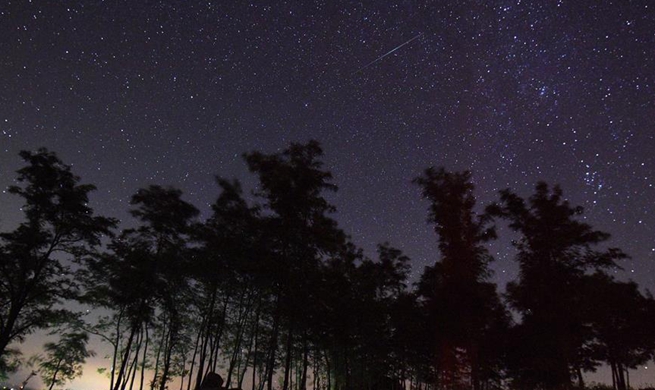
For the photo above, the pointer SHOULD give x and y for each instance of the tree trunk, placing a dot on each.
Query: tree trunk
(54, 375)
(253, 332)
(627, 378)
(256, 346)
(328, 370)
(347, 370)
(215, 347)
(17, 303)
(305, 362)
(126, 355)
(117, 342)
(315, 378)
(205, 339)
(270, 365)
(236, 352)
(621, 376)
(145, 357)
(131, 373)
(157, 356)
(195, 352)
(168, 352)
(288, 357)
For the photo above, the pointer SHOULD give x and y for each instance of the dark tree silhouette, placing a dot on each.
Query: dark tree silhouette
(230, 277)
(338, 316)
(300, 232)
(465, 306)
(278, 294)
(621, 320)
(64, 360)
(58, 220)
(554, 252)
(144, 281)
(166, 224)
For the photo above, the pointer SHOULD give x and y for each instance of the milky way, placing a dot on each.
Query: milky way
(173, 92)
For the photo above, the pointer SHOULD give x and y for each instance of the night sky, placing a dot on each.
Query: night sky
(132, 93)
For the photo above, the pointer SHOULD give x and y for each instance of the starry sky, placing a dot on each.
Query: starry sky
(132, 93)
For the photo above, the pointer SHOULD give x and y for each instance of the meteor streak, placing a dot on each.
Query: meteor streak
(386, 54)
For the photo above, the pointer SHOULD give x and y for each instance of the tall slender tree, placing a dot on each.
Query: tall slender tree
(144, 280)
(166, 222)
(292, 183)
(59, 226)
(229, 276)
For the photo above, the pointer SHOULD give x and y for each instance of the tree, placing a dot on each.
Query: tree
(143, 279)
(300, 232)
(166, 222)
(554, 253)
(34, 277)
(466, 306)
(377, 286)
(227, 264)
(63, 361)
(621, 320)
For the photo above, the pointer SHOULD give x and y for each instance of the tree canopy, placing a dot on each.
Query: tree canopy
(268, 290)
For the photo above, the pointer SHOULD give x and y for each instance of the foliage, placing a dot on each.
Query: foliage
(548, 348)
(269, 290)
(10, 363)
(463, 308)
(64, 360)
(34, 278)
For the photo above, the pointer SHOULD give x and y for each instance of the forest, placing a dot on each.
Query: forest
(271, 293)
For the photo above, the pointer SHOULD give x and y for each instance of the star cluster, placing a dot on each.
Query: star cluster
(173, 92)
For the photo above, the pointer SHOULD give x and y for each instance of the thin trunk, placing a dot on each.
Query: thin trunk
(219, 333)
(627, 378)
(270, 365)
(205, 339)
(236, 352)
(288, 357)
(54, 375)
(203, 356)
(213, 358)
(328, 370)
(315, 369)
(195, 352)
(126, 355)
(621, 376)
(145, 357)
(168, 352)
(116, 345)
(249, 352)
(305, 362)
(131, 373)
(218, 336)
(254, 360)
(256, 347)
(347, 370)
(293, 374)
(156, 373)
